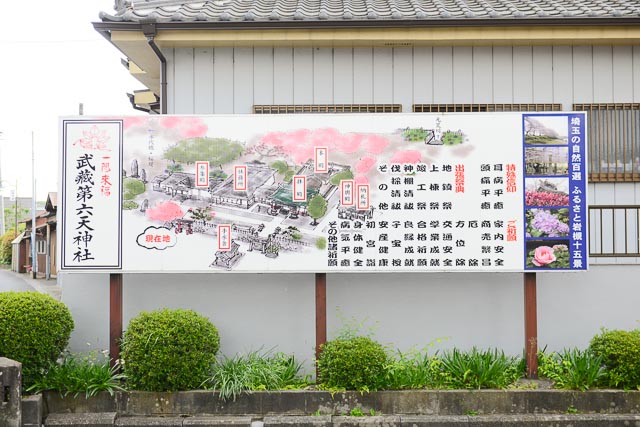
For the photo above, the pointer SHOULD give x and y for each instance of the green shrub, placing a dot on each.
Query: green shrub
(255, 371)
(321, 243)
(75, 374)
(571, 369)
(476, 369)
(620, 352)
(169, 350)
(356, 363)
(132, 188)
(128, 205)
(6, 252)
(34, 330)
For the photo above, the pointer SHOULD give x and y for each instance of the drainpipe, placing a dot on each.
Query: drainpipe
(150, 31)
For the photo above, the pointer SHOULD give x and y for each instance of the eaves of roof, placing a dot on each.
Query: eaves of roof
(408, 23)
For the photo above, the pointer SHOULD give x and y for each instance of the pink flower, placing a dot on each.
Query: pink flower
(543, 256)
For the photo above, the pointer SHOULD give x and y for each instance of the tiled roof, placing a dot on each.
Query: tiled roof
(367, 10)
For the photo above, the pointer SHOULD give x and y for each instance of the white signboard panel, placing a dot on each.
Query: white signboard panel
(325, 193)
(91, 194)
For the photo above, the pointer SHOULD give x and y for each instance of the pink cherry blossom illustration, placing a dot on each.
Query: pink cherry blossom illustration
(375, 144)
(167, 211)
(186, 127)
(360, 179)
(406, 156)
(134, 121)
(365, 164)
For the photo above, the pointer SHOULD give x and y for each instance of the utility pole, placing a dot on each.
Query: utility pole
(34, 254)
(2, 226)
(16, 204)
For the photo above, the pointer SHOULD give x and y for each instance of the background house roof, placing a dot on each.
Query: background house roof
(365, 10)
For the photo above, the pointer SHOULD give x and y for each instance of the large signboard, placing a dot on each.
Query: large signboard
(324, 193)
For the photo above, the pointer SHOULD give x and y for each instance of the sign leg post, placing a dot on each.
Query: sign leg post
(321, 313)
(531, 324)
(115, 316)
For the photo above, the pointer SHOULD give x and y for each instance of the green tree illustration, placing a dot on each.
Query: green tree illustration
(217, 151)
(317, 208)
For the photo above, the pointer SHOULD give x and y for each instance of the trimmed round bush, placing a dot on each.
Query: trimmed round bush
(169, 350)
(356, 363)
(34, 330)
(620, 352)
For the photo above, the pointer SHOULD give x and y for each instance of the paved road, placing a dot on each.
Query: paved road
(10, 281)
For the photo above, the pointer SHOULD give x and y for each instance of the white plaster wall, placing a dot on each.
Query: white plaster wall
(402, 310)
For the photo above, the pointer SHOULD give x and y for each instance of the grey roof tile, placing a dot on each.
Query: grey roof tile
(366, 10)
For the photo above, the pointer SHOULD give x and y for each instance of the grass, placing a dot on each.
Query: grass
(80, 374)
(412, 370)
(254, 371)
(572, 369)
(476, 369)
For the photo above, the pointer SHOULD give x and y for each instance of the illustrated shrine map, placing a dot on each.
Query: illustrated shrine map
(324, 193)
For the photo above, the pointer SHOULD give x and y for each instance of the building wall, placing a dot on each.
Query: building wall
(227, 80)
(267, 310)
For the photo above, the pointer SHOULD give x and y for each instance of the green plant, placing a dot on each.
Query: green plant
(280, 166)
(620, 352)
(356, 412)
(452, 138)
(75, 374)
(128, 205)
(167, 350)
(218, 174)
(6, 247)
(321, 243)
(355, 363)
(34, 330)
(572, 410)
(255, 371)
(411, 370)
(353, 327)
(471, 413)
(476, 369)
(342, 175)
(571, 369)
(132, 187)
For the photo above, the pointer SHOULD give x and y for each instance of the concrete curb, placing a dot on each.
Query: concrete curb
(526, 420)
(304, 403)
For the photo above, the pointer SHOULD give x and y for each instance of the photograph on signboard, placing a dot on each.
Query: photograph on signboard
(546, 130)
(546, 160)
(546, 191)
(547, 222)
(553, 254)
(310, 193)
